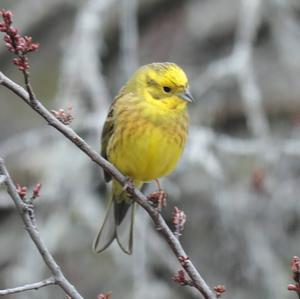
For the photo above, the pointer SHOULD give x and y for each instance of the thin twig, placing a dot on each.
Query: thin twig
(138, 196)
(28, 287)
(26, 214)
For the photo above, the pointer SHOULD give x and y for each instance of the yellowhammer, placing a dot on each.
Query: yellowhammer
(143, 136)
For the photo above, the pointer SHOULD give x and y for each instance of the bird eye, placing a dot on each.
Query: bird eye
(166, 89)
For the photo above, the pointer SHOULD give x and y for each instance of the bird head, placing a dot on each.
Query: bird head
(163, 84)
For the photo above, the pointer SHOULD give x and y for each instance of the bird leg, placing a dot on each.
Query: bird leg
(129, 184)
(158, 199)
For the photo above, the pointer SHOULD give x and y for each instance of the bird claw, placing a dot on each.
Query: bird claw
(158, 199)
(128, 184)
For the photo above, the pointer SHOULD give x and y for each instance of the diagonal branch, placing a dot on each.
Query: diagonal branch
(139, 197)
(28, 287)
(27, 214)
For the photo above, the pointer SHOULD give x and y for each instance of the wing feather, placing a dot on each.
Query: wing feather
(109, 128)
(107, 132)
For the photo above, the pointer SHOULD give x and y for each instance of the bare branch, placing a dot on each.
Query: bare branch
(28, 287)
(239, 66)
(27, 214)
(139, 197)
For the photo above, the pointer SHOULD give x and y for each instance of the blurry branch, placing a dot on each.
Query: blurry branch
(28, 287)
(285, 31)
(81, 81)
(199, 151)
(22, 142)
(206, 148)
(128, 36)
(39, 12)
(239, 65)
(26, 212)
(140, 198)
(242, 147)
(249, 21)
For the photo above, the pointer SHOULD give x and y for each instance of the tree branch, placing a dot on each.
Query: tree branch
(138, 196)
(239, 66)
(28, 287)
(27, 214)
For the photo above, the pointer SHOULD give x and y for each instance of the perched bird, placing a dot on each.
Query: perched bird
(143, 136)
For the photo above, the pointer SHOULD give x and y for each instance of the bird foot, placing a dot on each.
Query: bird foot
(158, 199)
(128, 184)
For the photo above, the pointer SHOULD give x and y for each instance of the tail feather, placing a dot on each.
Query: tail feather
(124, 231)
(121, 209)
(107, 232)
(118, 222)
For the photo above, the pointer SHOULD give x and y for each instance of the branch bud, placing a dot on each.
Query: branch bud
(22, 191)
(104, 295)
(36, 191)
(219, 290)
(179, 219)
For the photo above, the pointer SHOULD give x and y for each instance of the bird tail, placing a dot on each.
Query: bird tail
(118, 222)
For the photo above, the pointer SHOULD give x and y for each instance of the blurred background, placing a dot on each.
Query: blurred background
(239, 179)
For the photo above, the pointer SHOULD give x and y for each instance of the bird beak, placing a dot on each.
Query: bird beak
(186, 96)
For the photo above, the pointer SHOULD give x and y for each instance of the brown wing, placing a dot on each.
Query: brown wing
(107, 132)
(108, 129)
(109, 125)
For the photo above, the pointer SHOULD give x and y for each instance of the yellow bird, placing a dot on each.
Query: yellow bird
(143, 136)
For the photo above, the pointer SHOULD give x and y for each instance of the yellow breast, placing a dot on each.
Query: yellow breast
(145, 148)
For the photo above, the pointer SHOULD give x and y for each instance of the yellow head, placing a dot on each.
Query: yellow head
(162, 84)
